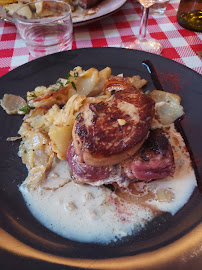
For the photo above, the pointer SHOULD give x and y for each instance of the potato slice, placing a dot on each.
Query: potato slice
(35, 176)
(25, 11)
(137, 81)
(60, 132)
(167, 106)
(91, 82)
(35, 148)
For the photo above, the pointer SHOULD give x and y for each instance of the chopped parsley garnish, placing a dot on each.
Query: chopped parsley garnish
(74, 86)
(33, 94)
(26, 108)
(78, 116)
(69, 80)
(25, 97)
(68, 76)
(60, 82)
(60, 85)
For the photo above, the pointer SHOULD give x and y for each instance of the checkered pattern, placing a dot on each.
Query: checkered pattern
(179, 44)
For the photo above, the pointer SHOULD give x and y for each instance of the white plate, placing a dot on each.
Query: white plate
(103, 9)
(81, 16)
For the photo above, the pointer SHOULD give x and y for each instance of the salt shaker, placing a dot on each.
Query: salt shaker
(189, 14)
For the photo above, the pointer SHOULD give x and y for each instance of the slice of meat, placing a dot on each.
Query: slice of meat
(154, 160)
(85, 174)
(109, 132)
(80, 169)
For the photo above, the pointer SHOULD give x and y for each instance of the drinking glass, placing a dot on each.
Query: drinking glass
(45, 26)
(142, 42)
(159, 7)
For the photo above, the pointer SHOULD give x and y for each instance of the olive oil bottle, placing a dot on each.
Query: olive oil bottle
(189, 14)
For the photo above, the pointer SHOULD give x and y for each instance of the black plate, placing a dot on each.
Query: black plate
(168, 242)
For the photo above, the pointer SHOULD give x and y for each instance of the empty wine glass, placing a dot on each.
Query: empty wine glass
(142, 42)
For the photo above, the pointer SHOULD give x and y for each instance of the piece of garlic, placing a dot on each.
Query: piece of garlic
(121, 122)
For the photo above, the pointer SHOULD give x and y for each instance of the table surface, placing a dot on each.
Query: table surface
(179, 44)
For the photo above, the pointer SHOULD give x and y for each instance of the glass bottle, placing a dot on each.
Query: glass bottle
(189, 14)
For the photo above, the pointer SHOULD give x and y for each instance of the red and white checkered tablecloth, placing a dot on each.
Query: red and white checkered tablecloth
(179, 44)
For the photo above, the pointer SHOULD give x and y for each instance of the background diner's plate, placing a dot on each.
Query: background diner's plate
(103, 9)
(168, 242)
(81, 16)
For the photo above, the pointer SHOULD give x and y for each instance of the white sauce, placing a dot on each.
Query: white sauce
(89, 214)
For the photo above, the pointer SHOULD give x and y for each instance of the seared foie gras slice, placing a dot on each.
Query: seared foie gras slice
(153, 161)
(111, 131)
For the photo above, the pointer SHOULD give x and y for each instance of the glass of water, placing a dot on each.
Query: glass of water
(45, 26)
(159, 7)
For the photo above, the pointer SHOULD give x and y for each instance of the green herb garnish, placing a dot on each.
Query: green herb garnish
(68, 76)
(74, 86)
(60, 82)
(26, 108)
(33, 95)
(78, 116)
(60, 85)
(25, 97)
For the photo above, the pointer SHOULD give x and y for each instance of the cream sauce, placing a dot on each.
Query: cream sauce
(96, 214)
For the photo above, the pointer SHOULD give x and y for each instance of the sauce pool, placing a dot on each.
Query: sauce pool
(93, 214)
